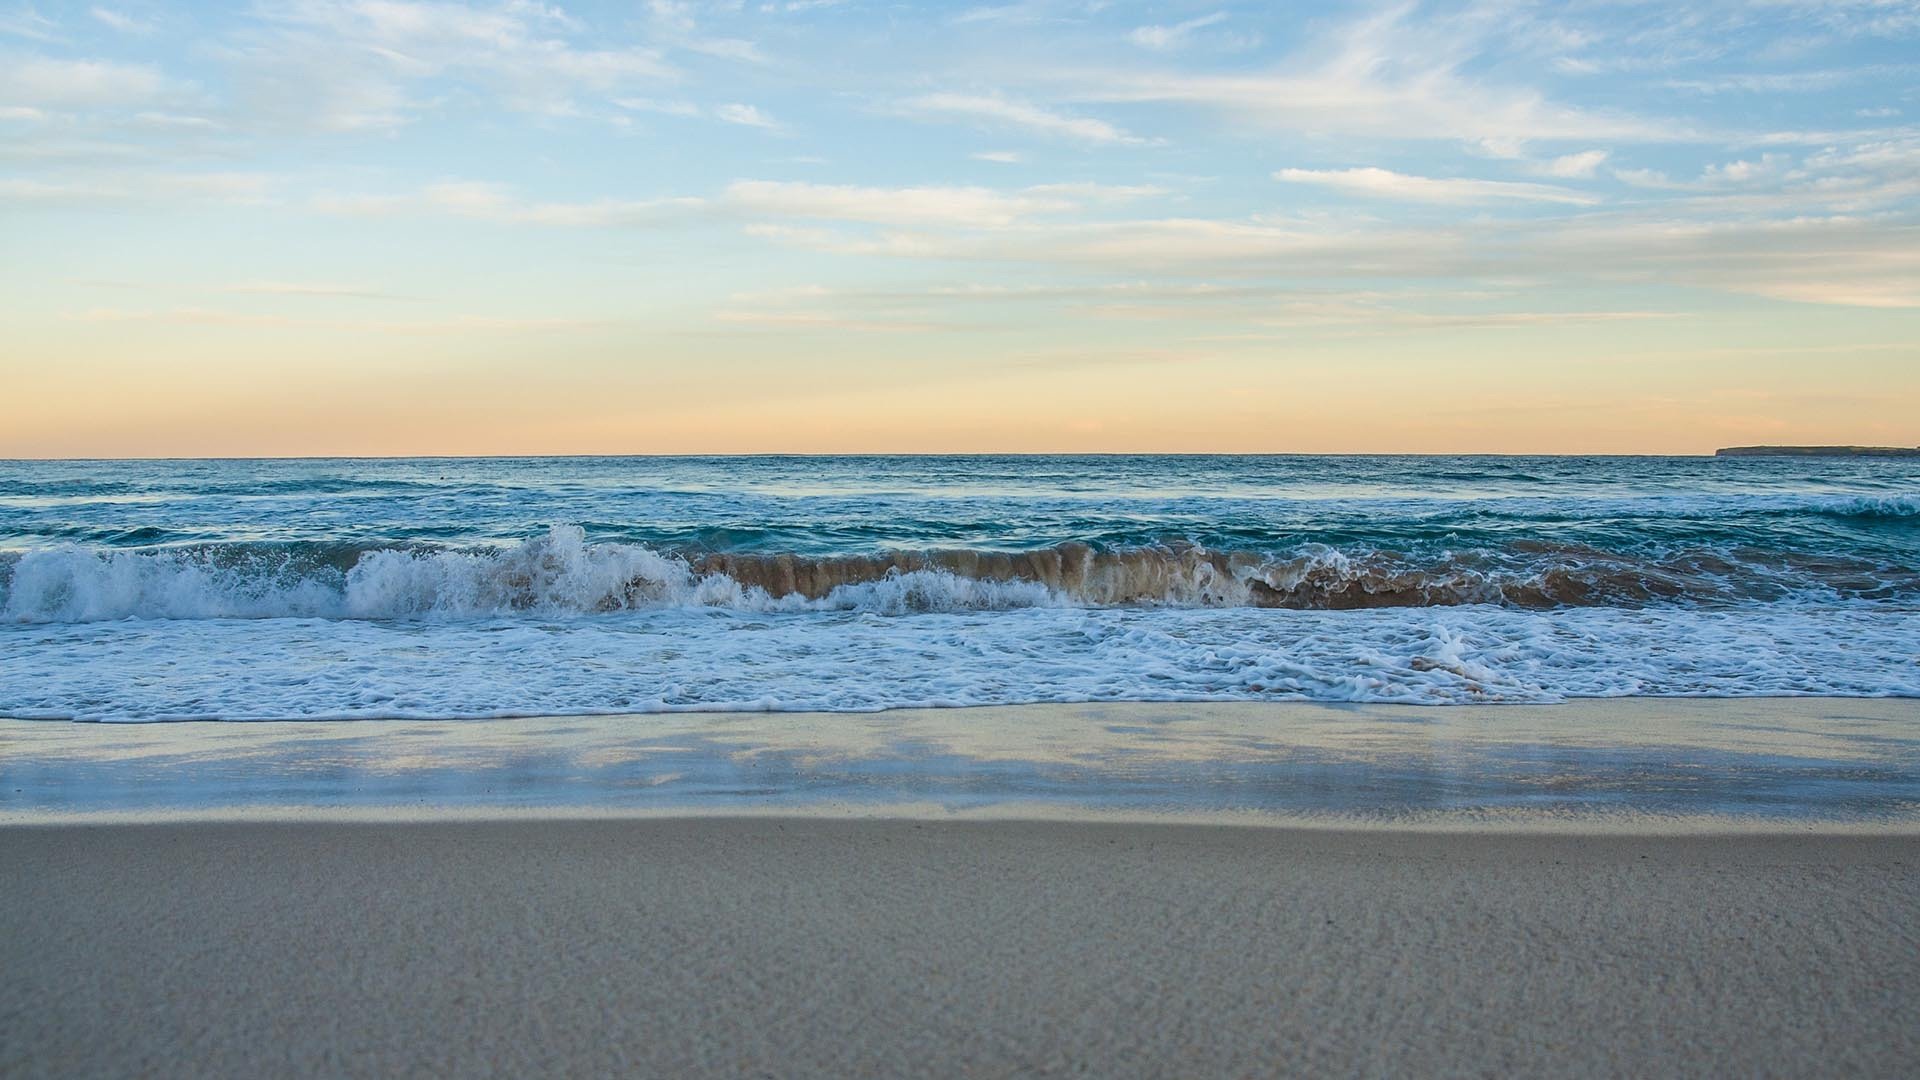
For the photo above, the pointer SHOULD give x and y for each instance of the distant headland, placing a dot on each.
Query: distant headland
(1818, 451)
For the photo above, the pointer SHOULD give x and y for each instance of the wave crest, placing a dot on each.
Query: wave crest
(560, 573)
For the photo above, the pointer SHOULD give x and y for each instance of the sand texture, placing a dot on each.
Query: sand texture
(769, 947)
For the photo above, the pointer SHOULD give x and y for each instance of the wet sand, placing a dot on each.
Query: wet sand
(1647, 764)
(797, 946)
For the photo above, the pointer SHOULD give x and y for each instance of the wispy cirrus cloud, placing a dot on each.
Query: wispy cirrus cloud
(1575, 166)
(317, 290)
(120, 21)
(221, 317)
(54, 83)
(1835, 259)
(498, 203)
(746, 116)
(783, 203)
(25, 22)
(1386, 184)
(357, 65)
(964, 206)
(1385, 74)
(1174, 36)
(1172, 183)
(124, 187)
(790, 319)
(1002, 113)
(733, 112)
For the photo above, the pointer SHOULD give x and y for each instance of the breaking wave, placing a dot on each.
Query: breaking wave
(560, 573)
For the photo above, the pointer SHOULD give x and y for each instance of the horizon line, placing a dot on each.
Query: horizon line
(918, 454)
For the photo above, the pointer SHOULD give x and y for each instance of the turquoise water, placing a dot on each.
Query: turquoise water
(468, 587)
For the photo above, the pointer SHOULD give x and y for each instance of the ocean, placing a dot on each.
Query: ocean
(457, 588)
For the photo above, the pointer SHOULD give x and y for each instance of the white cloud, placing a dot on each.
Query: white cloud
(198, 316)
(1083, 192)
(788, 319)
(668, 108)
(353, 65)
(1646, 178)
(1175, 36)
(28, 23)
(746, 116)
(167, 121)
(121, 21)
(1383, 75)
(1025, 12)
(938, 206)
(1382, 88)
(146, 188)
(730, 113)
(489, 203)
(726, 49)
(1743, 172)
(998, 111)
(78, 84)
(497, 203)
(1834, 259)
(1385, 184)
(309, 289)
(1830, 260)
(1576, 166)
(1714, 177)
(1901, 154)
(962, 206)
(677, 23)
(1767, 82)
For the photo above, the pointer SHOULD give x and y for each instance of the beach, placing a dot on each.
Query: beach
(1605, 888)
(794, 946)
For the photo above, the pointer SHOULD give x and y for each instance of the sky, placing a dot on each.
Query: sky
(386, 227)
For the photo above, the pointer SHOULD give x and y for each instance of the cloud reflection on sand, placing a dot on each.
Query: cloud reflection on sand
(1630, 759)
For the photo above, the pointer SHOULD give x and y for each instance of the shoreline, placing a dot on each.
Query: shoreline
(1039, 815)
(1648, 765)
(1608, 765)
(694, 711)
(756, 946)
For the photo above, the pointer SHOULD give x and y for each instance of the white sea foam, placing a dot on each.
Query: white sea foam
(555, 574)
(693, 659)
(76, 584)
(559, 573)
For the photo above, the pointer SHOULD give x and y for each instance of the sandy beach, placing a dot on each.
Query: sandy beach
(779, 947)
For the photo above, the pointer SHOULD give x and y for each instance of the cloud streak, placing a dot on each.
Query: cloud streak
(360, 65)
(1385, 184)
(1381, 75)
(1001, 113)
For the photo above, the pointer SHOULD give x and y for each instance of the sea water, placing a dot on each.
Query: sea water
(448, 588)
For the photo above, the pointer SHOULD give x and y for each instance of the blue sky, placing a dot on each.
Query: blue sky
(404, 227)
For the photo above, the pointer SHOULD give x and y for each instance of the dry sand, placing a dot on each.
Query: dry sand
(784, 947)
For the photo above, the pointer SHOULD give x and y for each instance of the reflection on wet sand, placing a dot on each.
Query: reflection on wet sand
(1598, 762)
